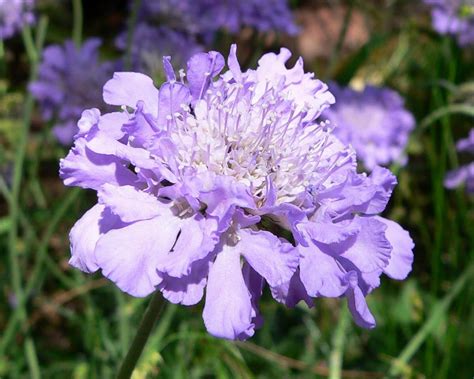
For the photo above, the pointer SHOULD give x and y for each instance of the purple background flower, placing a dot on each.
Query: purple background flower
(374, 121)
(207, 16)
(465, 173)
(14, 14)
(454, 17)
(69, 80)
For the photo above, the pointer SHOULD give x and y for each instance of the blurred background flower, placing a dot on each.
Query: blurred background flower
(454, 17)
(69, 80)
(14, 14)
(374, 121)
(463, 175)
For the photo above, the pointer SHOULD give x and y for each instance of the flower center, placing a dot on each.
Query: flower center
(254, 138)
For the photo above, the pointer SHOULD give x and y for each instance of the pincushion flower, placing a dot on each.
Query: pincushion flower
(465, 173)
(374, 121)
(14, 14)
(224, 184)
(69, 80)
(454, 17)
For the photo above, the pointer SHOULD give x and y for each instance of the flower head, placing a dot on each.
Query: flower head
(14, 14)
(454, 17)
(374, 121)
(465, 173)
(68, 81)
(226, 183)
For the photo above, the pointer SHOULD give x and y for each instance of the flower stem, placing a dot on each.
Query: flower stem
(77, 22)
(149, 318)
(335, 360)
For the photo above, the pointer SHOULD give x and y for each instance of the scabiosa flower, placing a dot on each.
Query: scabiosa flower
(463, 174)
(69, 80)
(227, 184)
(374, 121)
(204, 17)
(454, 17)
(14, 14)
(151, 43)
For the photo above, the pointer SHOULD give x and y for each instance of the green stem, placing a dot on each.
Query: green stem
(131, 30)
(32, 359)
(144, 330)
(77, 22)
(123, 320)
(335, 359)
(14, 204)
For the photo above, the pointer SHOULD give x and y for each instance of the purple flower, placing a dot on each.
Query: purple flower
(205, 17)
(69, 80)
(374, 121)
(454, 17)
(151, 43)
(193, 178)
(463, 174)
(14, 14)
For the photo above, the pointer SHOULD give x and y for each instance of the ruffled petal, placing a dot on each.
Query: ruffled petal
(255, 285)
(228, 311)
(112, 123)
(370, 250)
(188, 289)
(273, 259)
(222, 195)
(130, 204)
(322, 229)
(83, 236)
(89, 119)
(171, 99)
(320, 273)
(127, 88)
(196, 239)
(104, 145)
(141, 128)
(357, 304)
(233, 63)
(202, 67)
(84, 168)
(401, 257)
(359, 193)
(292, 292)
(128, 256)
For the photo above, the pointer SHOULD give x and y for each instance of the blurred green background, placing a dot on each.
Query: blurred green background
(80, 326)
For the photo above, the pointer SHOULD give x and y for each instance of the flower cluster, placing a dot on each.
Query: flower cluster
(224, 184)
(180, 28)
(464, 174)
(67, 83)
(374, 121)
(454, 17)
(204, 17)
(14, 14)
